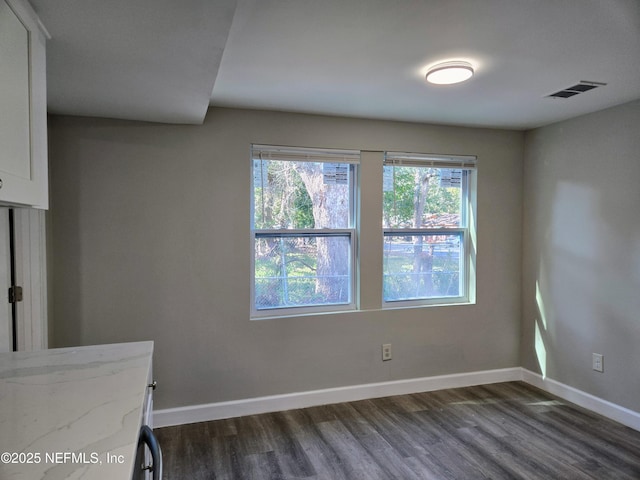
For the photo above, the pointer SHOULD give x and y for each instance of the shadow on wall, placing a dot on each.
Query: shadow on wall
(585, 289)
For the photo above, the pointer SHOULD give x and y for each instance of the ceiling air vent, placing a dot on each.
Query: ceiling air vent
(581, 87)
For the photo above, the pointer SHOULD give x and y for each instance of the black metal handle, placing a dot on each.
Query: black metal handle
(149, 439)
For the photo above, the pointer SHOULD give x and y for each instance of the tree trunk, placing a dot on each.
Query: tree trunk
(422, 260)
(330, 209)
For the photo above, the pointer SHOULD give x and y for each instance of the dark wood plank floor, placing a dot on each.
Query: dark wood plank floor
(501, 431)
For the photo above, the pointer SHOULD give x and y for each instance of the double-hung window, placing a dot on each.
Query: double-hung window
(304, 230)
(428, 229)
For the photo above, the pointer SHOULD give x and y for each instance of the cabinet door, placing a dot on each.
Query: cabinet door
(6, 321)
(23, 137)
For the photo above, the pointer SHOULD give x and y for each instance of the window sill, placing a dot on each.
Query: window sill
(436, 302)
(346, 311)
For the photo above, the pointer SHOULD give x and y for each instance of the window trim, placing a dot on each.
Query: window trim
(468, 218)
(313, 155)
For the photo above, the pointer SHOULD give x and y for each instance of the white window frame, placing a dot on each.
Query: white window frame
(467, 230)
(302, 154)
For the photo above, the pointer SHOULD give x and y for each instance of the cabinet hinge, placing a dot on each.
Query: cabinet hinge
(15, 294)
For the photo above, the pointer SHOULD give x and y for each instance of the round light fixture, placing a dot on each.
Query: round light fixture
(448, 73)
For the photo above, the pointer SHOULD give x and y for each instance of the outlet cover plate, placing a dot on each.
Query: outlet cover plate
(386, 352)
(598, 362)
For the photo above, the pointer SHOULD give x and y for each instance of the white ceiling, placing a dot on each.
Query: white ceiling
(153, 60)
(158, 59)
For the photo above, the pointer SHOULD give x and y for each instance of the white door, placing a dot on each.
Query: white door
(6, 328)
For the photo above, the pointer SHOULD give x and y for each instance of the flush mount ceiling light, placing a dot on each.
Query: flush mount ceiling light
(448, 73)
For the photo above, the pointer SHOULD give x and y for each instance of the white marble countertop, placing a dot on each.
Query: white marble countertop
(73, 413)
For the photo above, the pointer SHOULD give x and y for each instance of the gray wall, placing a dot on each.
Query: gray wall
(149, 237)
(581, 269)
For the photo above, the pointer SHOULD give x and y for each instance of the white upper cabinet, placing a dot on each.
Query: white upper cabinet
(23, 107)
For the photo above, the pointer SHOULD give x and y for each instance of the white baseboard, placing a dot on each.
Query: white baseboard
(605, 408)
(288, 401)
(275, 403)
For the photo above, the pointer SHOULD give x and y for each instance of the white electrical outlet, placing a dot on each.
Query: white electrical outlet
(386, 352)
(598, 362)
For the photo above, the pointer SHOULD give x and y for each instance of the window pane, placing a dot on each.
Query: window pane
(301, 195)
(422, 197)
(302, 271)
(422, 267)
